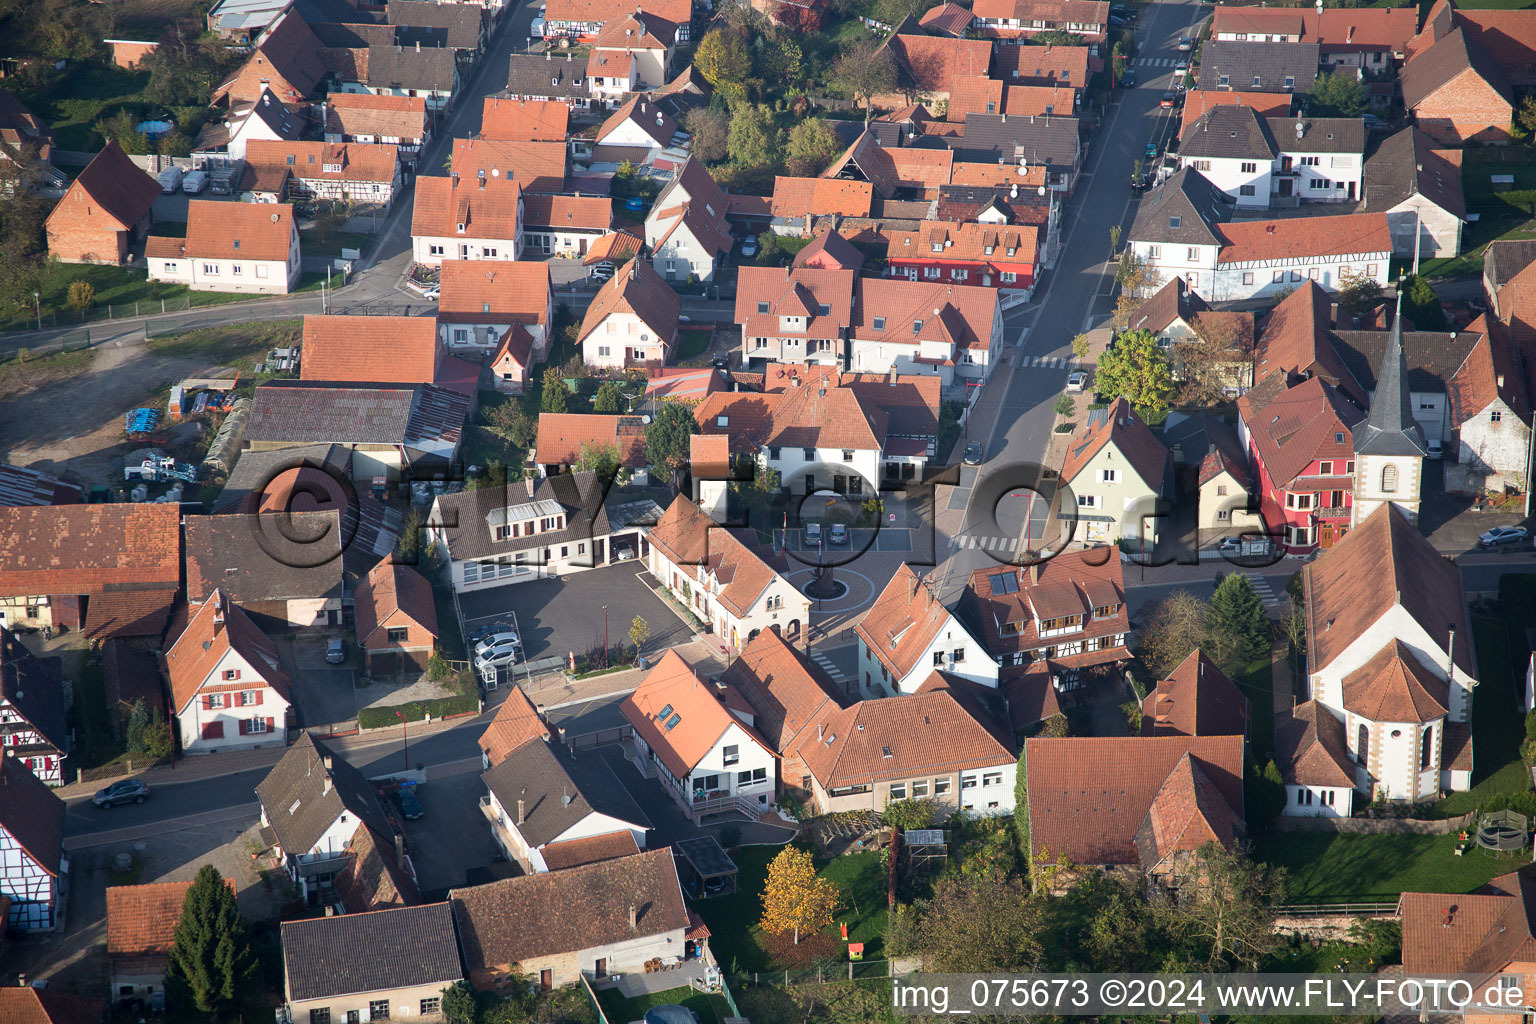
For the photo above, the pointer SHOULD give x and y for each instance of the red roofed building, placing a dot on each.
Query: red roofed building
(228, 689)
(108, 570)
(479, 304)
(907, 633)
(399, 121)
(1119, 473)
(396, 619)
(515, 120)
(928, 67)
(141, 925)
(382, 349)
(1198, 101)
(105, 213)
(1014, 19)
(1042, 65)
(230, 247)
(584, 19)
(632, 321)
(478, 218)
(357, 172)
(286, 60)
(536, 166)
(1002, 256)
(562, 435)
(569, 225)
(1197, 699)
(1356, 37)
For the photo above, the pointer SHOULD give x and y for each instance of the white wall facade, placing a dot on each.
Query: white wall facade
(622, 339)
(780, 605)
(1439, 230)
(1318, 801)
(681, 256)
(1493, 453)
(1246, 181)
(1372, 476)
(434, 249)
(953, 650)
(212, 274)
(1253, 279)
(796, 472)
(505, 832)
(1113, 501)
(250, 718)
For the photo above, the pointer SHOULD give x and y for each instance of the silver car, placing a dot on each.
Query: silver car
(499, 639)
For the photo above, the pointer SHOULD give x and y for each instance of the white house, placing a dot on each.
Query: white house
(1490, 409)
(230, 247)
(1276, 161)
(1410, 180)
(917, 327)
(479, 303)
(539, 799)
(907, 634)
(567, 225)
(228, 687)
(1182, 229)
(686, 228)
(630, 54)
(1315, 763)
(267, 119)
(480, 219)
(1389, 654)
(314, 803)
(723, 580)
(1118, 472)
(706, 758)
(631, 321)
(360, 173)
(33, 869)
(638, 131)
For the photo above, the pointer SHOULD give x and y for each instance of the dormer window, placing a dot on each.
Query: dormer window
(822, 309)
(722, 422)
(938, 246)
(1175, 220)
(331, 168)
(461, 229)
(917, 325)
(879, 323)
(990, 249)
(762, 307)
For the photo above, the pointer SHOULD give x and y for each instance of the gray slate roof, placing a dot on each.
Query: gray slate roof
(1406, 165)
(405, 67)
(558, 789)
(306, 412)
(531, 75)
(1271, 63)
(300, 807)
(34, 688)
(1231, 132)
(460, 22)
(274, 557)
(1432, 357)
(464, 516)
(1039, 139)
(1389, 428)
(1506, 258)
(401, 947)
(1181, 211)
(1319, 134)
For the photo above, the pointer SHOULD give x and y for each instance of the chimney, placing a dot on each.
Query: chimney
(1034, 573)
(325, 785)
(453, 177)
(528, 483)
(634, 921)
(218, 612)
(418, 46)
(399, 850)
(1450, 655)
(522, 812)
(326, 761)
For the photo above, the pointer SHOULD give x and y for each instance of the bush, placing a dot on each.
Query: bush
(416, 711)
(910, 814)
(1063, 428)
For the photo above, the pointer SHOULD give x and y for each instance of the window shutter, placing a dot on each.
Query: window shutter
(258, 696)
(207, 702)
(213, 730)
(269, 725)
(244, 727)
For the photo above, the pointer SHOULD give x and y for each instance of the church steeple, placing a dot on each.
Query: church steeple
(1389, 428)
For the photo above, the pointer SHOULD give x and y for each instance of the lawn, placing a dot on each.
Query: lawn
(1350, 867)
(337, 242)
(121, 291)
(710, 1009)
(692, 342)
(240, 346)
(1500, 214)
(98, 741)
(17, 373)
(1257, 684)
(1496, 721)
(732, 920)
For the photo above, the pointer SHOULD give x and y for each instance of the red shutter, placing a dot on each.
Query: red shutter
(244, 727)
(213, 730)
(269, 725)
(258, 696)
(207, 702)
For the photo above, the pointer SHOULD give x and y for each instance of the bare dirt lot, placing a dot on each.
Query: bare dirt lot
(63, 414)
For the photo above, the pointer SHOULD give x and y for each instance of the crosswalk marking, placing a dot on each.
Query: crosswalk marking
(1152, 62)
(1053, 362)
(1003, 544)
(1265, 591)
(828, 666)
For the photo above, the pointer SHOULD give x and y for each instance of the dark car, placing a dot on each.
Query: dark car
(1141, 179)
(410, 803)
(1129, 78)
(124, 791)
(973, 454)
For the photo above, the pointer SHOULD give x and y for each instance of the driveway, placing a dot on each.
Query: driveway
(452, 836)
(558, 617)
(325, 694)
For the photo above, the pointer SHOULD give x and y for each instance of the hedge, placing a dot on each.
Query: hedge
(416, 711)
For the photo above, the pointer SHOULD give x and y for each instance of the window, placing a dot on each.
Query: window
(1426, 403)
(231, 674)
(215, 700)
(1495, 415)
(1245, 190)
(1427, 748)
(488, 253)
(898, 791)
(1309, 161)
(1298, 501)
(247, 698)
(732, 754)
(378, 1009)
(1303, 796)
(1370, 269)
(1192, 253)
(762, 307)
(1250, 168)
(1363, 744)
(1109, 476)
(879, 323)
(919, 789)
(1312, 274)
(808, 454)
(1257, 81)
(1290, 81)
(940, 787)
(1247, 277)
(938, 658)
(1388, 479)
(1223, 515)
(322, 1015)
(256, 725)
(992, 778)
(397, 634)
(1087, 501)
(1278, 277)
(1154, 252)
(957, 655)
(1295, 275)
(1200, 165)
(1224, 81)
(1175, 221)
(602, 350)
(211, 269)
(431, 1006)
(967, 782)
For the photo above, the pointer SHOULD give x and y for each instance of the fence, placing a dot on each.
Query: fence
(1377, 826)
(853, 970)
(159, 328)
(601, 737)
(70, 341)
(1333, 909)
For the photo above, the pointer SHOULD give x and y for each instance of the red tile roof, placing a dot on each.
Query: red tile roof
(382, 349)
(1265, 104)
(487, 208)
(496, 290)
(1394, 686)
(1302, 237)
(117, 187)
(949, 18)
(235, 231)
(369, 163)
(964, 319)
(796, 197)
(679, 12)
(802, 417)
(784, 689)
(1132, 439)
(591, 850)
(536, 166)
(1310, 749)
(638, 290)
(1302, 424)
(516, 722)
(1000, 244)
(683, 383)
(614, 247)
(1188, 812)
(674, 688)
(1197, 699)
(361, 113)
(89, 549)
(1490, 373)
(197, 651)
(1295, 342)
(902, 622)
(935, 63)
(524, 120)
(688, 538)
(142, 919)
(393, 595)
(1042, 65)
(561, 436)
(1088, 797)
(587, 213)
(23, 1004)
(1006, 603)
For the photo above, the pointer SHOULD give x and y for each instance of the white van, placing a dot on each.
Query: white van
(194, 182)
(170, 179)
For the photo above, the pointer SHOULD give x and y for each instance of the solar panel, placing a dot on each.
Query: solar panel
(923, 837)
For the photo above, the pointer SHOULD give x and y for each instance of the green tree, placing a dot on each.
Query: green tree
(1056, 726)
(912, 813)
(639, 633)
(508, 421)
(1525, 115)
(1065, 406)
(795, 898)
(1338, 94)
(1228, 920)
(157, 739)
(408, 547)
(723, 59)
(212, 963)
(1080, 345)
(811, 147)
(753, 140)
(1134, 277)
(609, 398)
(1021, 805)
(1357, 293)
(556, 397)
(1421, 304)
(81, 296)
(710, 128)
(865, 70)
(600, 458)
(133, 731)
(1235, 619)
(667, 438)
(980, 924)
(1175, 628)
(1265, 794)
(1136, 368)
(1117, 932)
(460, 1003)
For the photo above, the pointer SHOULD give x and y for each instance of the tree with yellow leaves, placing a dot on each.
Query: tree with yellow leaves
(795, 898)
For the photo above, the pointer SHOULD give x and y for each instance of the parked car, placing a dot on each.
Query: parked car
(494, 659)
(124, 791)
(973, 454)
(812, 532)
(170, 179)
(749, 246)
(1502, 536)
(335, 651)
(623, 554)
(497, 641)
(1436, 448)
(1181, 65)
(1151, 151)
(1186, 44)
(1141, 179)
(194, 183)
(1167, 100)
(838, 534)
(435, 292)
(1129, 78)
(1077, 380)
(410, 803)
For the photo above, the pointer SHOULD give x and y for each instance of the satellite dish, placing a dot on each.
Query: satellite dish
(645, 419)
(1040, 190)
(275, 218)
(495, 172)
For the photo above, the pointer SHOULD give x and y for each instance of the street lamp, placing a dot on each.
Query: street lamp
(37, 303)
(605, 634)
(405, 743)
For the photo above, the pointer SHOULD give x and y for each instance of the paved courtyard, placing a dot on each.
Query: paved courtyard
(557, 617)
(452, 836)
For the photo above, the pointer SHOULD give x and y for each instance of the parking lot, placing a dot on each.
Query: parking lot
(451, 836)
(558, 617)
